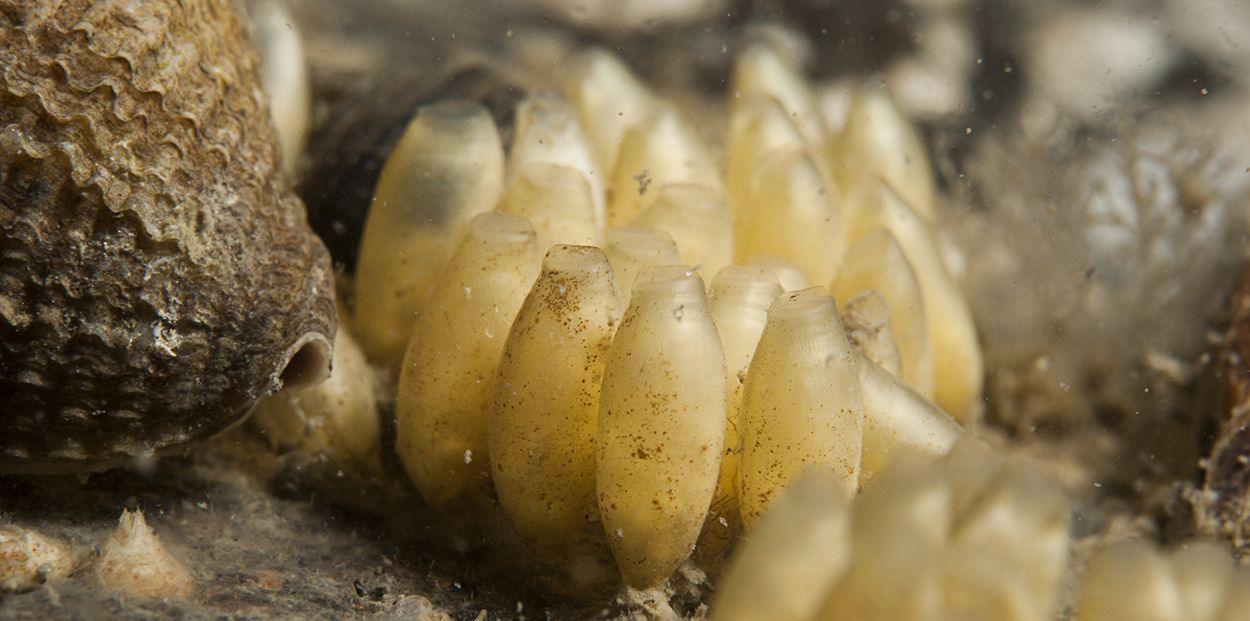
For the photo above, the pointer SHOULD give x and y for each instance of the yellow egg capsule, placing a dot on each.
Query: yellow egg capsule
(546, 403)
(447, 385)
(738, 299)
(547, 132)
(761, 70)
(794, 556)
(866, 319)
(664, 150)
(791, 276)
(558, 202)
(609, 101)
(959, 377)
(661, 425)
(896, 418)
(877, 141)
(801, 406)
(1205, 576)
(876, 262)
(1129, 581)
(447, 167)
(1007, 551)
(699, 221)
(337, 418)
(900, 526)
(758, 127)
(630, 249)
(793, 214)
(1133, 580)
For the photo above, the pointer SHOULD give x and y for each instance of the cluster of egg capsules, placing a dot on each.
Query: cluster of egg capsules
(531, 378)
(968, 536)
(558, 353)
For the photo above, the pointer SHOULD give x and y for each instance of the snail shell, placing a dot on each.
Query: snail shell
(157, 276)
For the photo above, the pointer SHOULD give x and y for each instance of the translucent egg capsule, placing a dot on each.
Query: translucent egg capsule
(337, 418)
(866, 319)
(664, 150)
(876, 262)
(547, 131)
(959, 377)
(546, 402)
(1133, 580)
(900, 525)
(699, 221)
(896, 418)
(877, 141)
(792, 213)
(558, 201)
(738, 299)
(1205, 576)
(758, 127)
(630, 249)
(609, 100)
(447, 167)
(925, 543)
(448, 379)
(801, 406)
(791, 276)
(1129, 581)
(794, 556)
(661, 425)
(761, 70)
(1007, 551)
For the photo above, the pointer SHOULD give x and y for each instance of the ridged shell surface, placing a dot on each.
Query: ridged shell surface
(157, 276)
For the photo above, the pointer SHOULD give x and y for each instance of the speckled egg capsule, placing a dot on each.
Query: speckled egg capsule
(156, 275)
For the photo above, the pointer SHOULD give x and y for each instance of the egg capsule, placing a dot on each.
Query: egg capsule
(547, 131)
(337, 418)
(664, 150)
(1007, 551)
(1205, 576)
(609, 101)
(761, 70)
(699, 221)
(758, 127)
(876, 262)
(661, 425)
(448, 379)
(896, 418)
(792, 213)
(877, 141)
(1237, 602)
(1129, 581)
(546, 401)
(630, 249)
(900, 526)
(801, 406)
(794, 556)
(1133, 580)
(867, 322)
(738, 300)
(447, 168)
(558, 201)
(958, 378)
(284, 74)
(791, 276)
